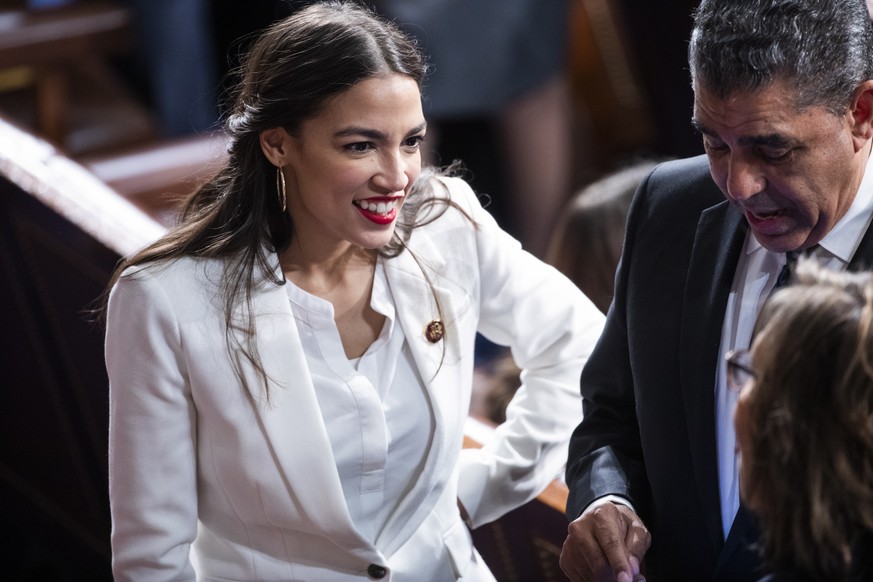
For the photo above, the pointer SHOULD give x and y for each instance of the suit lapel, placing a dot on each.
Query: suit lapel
(717, 245)
(863, 257)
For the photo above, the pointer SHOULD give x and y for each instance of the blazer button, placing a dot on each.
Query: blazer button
(376, 571)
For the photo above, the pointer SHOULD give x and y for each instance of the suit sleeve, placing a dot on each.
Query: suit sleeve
(152, 468)
(605, 455)
(551, 329)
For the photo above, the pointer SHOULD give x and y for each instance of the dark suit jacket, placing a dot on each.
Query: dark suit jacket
(648, 432)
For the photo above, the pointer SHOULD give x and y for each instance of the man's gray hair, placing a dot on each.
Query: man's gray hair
(824, 48)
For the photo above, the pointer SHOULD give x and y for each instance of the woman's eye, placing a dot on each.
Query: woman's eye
(359, 146)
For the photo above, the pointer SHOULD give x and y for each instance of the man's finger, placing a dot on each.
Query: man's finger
(610, 531)
(638, 539)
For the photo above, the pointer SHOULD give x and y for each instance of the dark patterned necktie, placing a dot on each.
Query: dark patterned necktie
(787, 268)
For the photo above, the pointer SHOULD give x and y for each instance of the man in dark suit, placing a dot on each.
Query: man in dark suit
(784, 102)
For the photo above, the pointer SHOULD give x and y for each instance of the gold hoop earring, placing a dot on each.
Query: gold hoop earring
(280, 188)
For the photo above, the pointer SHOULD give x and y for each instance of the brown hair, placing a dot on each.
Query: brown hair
(586, 243)
(810, 414)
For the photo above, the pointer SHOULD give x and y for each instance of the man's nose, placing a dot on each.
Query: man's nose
(744, 180)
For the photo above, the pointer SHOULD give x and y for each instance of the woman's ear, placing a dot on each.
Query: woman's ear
(275, 144)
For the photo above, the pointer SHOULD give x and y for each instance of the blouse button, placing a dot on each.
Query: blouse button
(376, 571)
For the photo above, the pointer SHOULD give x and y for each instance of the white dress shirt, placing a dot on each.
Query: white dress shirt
(754, 280)
(379, 419)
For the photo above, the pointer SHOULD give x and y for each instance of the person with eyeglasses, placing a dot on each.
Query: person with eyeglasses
(804, 425)
(783, 100)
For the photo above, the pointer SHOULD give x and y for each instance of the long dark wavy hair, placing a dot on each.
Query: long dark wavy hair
(293, 68)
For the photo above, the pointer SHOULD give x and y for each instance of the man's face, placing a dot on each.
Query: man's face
(792, 172)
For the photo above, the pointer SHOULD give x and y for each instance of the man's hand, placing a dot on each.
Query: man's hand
(605, 544)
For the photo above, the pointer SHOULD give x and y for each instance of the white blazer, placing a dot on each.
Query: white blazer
(209, 482)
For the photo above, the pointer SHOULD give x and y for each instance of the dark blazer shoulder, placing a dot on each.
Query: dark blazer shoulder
(686, 181)
(665, 213)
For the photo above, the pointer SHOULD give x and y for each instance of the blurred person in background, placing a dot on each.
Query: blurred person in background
(585, 246)
(175, 53)
(498, 98)
(586, 242)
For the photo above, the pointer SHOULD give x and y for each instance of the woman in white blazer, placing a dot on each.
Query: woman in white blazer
(291, 367)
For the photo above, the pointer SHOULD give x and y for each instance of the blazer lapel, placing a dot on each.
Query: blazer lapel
(718, 242)
(291, 421)
(437, 363)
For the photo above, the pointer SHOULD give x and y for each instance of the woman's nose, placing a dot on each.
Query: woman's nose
(393, 173)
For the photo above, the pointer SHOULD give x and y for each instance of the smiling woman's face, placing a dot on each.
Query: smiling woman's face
(349, 169)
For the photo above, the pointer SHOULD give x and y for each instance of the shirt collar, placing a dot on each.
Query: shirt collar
(843, 239)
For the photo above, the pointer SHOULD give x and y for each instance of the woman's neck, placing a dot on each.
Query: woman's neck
(322, 271)
(345, 280)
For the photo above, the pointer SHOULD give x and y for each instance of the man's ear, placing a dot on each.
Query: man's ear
(275, 143)
(861, 114)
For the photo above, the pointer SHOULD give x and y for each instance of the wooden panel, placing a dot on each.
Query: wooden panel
(53, 423)
(62, 35)
(42, 171)
(61, 234)
(159, 176)
(61, 48)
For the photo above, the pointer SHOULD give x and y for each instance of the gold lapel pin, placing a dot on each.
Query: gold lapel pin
(434, 331)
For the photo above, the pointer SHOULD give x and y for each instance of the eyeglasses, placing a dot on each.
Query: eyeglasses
(739, 369)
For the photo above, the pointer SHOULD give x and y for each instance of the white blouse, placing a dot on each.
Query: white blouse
(379, 419)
